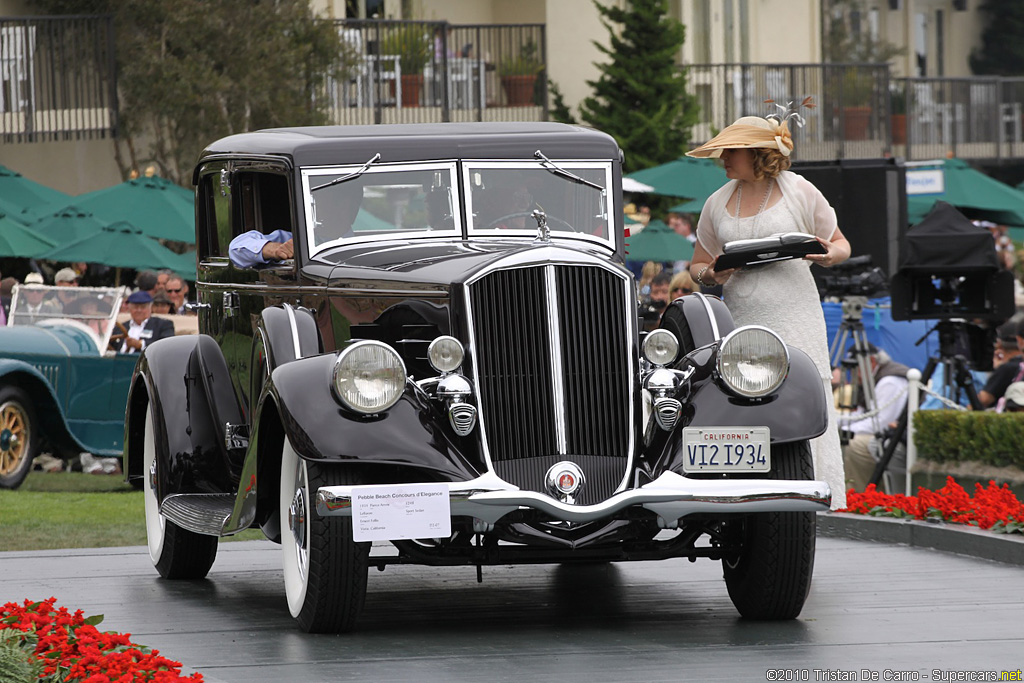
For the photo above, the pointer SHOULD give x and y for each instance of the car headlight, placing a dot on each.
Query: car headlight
(445, 354)
(660, 347)
(753, 361)
(369, 377)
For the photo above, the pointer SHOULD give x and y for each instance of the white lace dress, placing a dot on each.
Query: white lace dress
(783, 297)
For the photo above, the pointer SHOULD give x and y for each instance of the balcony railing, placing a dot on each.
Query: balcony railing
(57, 78)
(419, 72)
(862, 112)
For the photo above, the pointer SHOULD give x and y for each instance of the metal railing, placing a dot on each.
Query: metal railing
(419, 72)
(57, 78)
(862, 112)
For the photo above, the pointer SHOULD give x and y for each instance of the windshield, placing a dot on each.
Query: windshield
(382, 202)
(91, 308)
(502, 195)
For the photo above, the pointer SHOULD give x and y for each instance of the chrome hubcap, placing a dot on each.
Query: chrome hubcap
(297, 518)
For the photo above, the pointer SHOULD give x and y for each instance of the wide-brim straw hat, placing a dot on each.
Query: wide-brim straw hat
(748, 132)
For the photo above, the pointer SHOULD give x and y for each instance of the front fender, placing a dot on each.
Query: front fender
(171, 380)
(412, 433)
(796, 412)
(47, 406)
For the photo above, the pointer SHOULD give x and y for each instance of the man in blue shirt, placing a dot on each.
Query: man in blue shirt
(337, 207)
(253, 248)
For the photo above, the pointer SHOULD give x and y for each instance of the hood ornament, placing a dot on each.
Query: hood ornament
(543, 231)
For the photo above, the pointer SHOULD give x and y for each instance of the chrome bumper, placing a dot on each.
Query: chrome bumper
(670, 496)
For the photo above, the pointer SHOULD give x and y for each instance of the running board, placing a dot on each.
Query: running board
(202, 513)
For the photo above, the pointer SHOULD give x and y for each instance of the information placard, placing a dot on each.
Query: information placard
(400, 512)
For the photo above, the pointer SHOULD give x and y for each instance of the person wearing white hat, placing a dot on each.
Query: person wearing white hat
(32, 302)
(763, 198)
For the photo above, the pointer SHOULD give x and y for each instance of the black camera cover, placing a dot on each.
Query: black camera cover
(946, 241)
(780, 247)
(950, 270)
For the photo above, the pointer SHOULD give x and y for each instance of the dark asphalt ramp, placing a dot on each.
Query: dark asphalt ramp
(872, 606)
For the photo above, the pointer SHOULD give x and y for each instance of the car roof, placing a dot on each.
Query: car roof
(327, 145)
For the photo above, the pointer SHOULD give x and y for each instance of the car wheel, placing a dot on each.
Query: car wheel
(18, 437)
(176, 553)
(324, 569)
(771, 575)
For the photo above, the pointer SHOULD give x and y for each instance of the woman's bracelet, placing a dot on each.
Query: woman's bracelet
(700, 276)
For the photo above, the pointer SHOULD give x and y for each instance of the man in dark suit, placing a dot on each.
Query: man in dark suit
(143, 328)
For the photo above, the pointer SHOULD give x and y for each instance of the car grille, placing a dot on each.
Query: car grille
(537, 405)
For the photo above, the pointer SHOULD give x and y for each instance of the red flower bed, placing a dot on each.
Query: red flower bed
(63, 646)
(992, 507)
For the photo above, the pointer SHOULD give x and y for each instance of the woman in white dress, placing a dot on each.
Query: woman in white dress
(763, 198)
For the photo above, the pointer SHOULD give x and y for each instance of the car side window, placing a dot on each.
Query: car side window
(215, 216)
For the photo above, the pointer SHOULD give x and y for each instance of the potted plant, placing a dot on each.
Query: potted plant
(519, 75)
(857, 90)
(898, 115)
(414, 50)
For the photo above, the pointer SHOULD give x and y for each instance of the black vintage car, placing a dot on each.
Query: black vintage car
(452, 363)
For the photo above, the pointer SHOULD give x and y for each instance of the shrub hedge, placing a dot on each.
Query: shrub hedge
(963, 436)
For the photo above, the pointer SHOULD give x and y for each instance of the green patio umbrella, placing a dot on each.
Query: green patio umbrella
(658, 242)
(692, 206)
(17, 240)
(19, 193)
(67, 225)
(686, 178)
(975, 194)
(156, 206)
(122, 245)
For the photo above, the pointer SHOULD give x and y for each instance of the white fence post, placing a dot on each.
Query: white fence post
(913, 402)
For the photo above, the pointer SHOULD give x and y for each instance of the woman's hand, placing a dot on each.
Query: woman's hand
(836, 251)
(705, 275)
(719, 277)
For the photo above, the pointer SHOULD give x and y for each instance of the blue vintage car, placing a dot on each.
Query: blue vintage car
(61, 390)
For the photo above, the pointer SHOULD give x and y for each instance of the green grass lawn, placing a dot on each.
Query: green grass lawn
(75, 510)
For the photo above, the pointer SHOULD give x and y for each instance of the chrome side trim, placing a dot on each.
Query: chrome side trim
(295, 329)
(711, 315)
(670, 496)
(555, 340)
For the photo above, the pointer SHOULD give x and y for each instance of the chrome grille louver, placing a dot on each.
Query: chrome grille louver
(554, 373)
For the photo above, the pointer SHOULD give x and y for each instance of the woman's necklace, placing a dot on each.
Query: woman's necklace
(760, 209)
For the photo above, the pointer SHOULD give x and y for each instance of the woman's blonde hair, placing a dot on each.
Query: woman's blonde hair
(769, 163)
(683, 281)
(650, 269)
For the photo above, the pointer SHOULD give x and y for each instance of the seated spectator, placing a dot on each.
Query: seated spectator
(1008, 364)
(1013, 399)
(66, 277)
(34, 304)
(162, 305)
(860, 454)
(6, 288)
(177, 293)
(147, 281)
(654, 305)
(682, 284)
(143, 328)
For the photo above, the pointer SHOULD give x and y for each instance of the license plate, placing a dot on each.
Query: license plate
(726, 449)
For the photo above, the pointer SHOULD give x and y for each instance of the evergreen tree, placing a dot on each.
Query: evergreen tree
(559, 109)
(641, 96)
(1002, 51)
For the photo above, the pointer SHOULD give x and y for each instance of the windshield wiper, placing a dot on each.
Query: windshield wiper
(350, 176)
(551, 167)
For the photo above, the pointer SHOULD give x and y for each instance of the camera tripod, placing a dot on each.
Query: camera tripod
(852, 327)
(957, 382)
